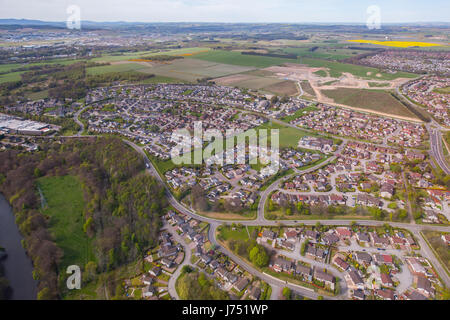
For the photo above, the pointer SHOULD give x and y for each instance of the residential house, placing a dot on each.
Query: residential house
(155, 271)
(363, 257)
(424, 286)
(385, 294)
(282, 265)
(254, 293)
(166, 262)
(268, 235)
(148, 291)
(354, 280)
(303, 271)
(386, 280)
(241, 284)
(341, 263)
(328, 279)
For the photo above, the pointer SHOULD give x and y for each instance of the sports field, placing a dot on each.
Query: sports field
(372, 100)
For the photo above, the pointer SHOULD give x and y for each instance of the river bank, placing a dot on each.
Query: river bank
(17, 265)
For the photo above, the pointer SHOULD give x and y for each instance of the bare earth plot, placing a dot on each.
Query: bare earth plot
(193, 69)
(377, 101)
(251, 81)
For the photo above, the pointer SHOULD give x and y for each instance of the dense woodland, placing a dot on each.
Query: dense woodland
(5, 290)
(122, 204)
(63, 82)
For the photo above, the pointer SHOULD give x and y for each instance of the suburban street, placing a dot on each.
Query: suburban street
(261, 220)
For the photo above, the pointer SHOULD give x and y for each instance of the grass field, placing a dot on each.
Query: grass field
(236, 58)
(434, 238)
(289, 137)
(13, 76)
(64, 198)
(375, 100)
(193, 69)
(378, 84)
(445, 90)
(332, 53)
(140, 54)
(115, 68)
(337, 68)
(227, 233)
(299, 113)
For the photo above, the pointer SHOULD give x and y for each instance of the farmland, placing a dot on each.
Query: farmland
(371, 100)
(337, 68)
(193, 69)
(236, 58)
(398, 44)
(268, 84)
(123, 67)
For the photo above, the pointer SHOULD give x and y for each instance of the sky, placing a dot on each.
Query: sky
(292, 11)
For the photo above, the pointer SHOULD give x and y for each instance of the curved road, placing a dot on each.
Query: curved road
(261, 220)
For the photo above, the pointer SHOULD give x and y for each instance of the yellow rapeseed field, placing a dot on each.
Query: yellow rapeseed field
(399, 44)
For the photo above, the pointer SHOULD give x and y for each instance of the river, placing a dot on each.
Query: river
(18, 266)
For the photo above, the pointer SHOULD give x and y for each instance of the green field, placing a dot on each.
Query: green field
(13, 76)
(374, 100)
(289, 137)
(337, 68)
(194, 69)
(140, 54)
(299, 113)
(332, 53)
(445, 90)
(115, 68)
(378, 84)
(434, 238)
(236, 58)
(64, 206)
(227, 233)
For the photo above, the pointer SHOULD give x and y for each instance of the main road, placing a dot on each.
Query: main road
(436, 148)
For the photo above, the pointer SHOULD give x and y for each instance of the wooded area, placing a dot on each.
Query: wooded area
(122, 212)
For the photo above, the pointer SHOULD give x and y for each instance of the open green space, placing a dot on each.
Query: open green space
(439, 247)
(299, 113)
(141, 54)
(374, 100)
(236, 58)
(64, 207)
(445, 90)
(332, 53)
(194, 69)
(337, 68)
(115, 68)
